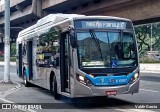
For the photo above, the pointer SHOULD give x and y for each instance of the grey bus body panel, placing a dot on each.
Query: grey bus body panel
(85, 91)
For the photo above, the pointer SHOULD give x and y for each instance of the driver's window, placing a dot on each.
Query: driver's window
(128, 46)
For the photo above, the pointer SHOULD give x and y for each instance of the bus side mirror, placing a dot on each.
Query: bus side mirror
(73, 39)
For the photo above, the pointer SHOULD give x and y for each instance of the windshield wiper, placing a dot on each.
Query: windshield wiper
(96, 41)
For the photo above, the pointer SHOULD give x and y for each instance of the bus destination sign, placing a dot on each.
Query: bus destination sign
(101, 24)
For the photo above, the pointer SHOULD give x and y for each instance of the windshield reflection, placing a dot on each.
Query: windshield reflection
(106, 49)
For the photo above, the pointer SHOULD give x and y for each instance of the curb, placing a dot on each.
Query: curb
(11, 63)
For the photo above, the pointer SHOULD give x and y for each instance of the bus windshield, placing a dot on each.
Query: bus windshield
(106, 49)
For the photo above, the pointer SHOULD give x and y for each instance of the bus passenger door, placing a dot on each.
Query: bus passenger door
(29, 59)
(19, 60)
(65, 62)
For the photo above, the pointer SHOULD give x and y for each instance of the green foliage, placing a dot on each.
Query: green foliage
(1, 58)
(147, 60)
(47, 39)
(49, 36)
(13, 49)
(143, 34)
(12, 59)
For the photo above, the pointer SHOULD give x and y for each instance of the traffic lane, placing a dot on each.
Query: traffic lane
(150, 85)
(144, 96)
(151, 78)
(155, 77)
(150, 81)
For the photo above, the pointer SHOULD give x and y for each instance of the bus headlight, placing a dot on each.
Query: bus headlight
(81, 77)
(83, 80)
(134, 77)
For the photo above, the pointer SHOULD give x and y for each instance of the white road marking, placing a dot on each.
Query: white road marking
(149, 90)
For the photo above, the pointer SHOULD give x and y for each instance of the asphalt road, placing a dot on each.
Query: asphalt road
(149, 93)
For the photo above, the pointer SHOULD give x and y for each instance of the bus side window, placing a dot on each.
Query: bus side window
(56, 58)
(24, 50)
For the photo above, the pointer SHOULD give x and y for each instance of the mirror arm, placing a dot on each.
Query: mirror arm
(73, 39)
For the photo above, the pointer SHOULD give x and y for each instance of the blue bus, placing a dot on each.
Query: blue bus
(79, 56)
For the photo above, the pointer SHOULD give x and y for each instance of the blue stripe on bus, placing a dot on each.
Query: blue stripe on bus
(110, 80)
(27, 72)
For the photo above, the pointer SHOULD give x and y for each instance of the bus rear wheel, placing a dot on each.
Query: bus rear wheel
(26, 83)
(54, 88)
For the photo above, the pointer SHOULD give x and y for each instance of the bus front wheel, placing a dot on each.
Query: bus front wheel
(54, 88)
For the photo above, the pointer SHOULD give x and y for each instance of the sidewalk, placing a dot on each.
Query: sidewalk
(6, 87)
(153, 68)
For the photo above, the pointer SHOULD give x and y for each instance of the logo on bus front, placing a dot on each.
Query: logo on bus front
(112, 81)
(102, 80)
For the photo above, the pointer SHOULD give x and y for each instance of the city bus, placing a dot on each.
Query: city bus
(79, 56)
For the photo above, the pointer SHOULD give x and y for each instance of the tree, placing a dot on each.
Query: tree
(13, 49)
(143, 34)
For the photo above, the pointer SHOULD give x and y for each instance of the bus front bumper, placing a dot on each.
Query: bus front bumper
(84, 91)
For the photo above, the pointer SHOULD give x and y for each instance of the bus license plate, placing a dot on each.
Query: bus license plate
(112, 92)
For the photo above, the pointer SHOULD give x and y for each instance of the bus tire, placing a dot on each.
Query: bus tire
(54, 88)
(25, 80)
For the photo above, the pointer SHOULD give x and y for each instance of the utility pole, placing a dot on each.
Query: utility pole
(7, 42)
